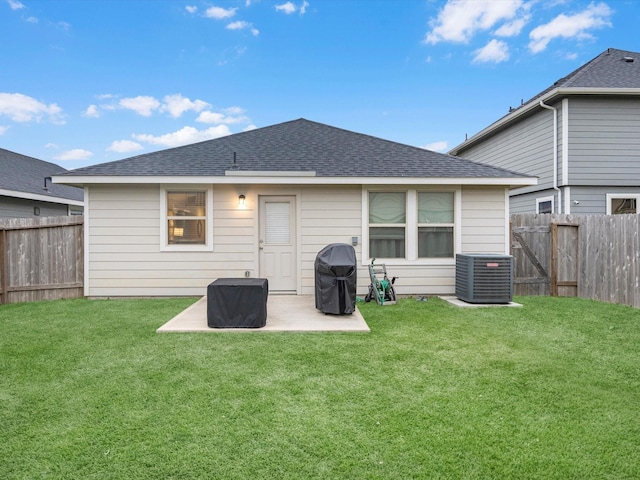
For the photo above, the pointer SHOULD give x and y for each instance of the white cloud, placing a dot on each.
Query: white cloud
(176, 105)
(142, 105)
(3, 129)
(92, 111)
(75, 154)
(459, 20)
(22, 108)
(249, 128)
(191, 8)
(219, 13)
(230, 116)
(52, 145)
(514, 28)
(441, 146)
(570, 26)
(287, 8)
(242, 25)
(495, 51)
(184, 136)
(125, 146)
(15, 4)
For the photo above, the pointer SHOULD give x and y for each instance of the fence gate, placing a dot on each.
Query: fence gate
(545, 256)
(530, 249)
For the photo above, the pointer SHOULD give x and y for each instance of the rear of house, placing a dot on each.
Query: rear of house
(264, 203)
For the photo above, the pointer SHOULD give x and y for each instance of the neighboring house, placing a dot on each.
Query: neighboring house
(263, 203)
(26, 189)
(581, 137)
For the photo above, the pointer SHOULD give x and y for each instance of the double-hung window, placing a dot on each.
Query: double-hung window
(186, 218)
(387, 224)
(435, 224)
(411, 225)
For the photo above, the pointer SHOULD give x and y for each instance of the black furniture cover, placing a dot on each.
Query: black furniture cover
(237, 303)
(336, 278)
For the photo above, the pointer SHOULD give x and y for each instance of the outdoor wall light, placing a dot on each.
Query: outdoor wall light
(241, 200)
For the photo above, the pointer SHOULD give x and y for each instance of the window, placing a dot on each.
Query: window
(435, 224)
(186, 219)
(544, 205)
(619, 204)
(418, 226)
(387, 224)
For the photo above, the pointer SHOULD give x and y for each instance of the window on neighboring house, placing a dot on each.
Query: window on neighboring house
(75, 210)
(387, 224)
(435, 224)
(544, 205)
(622, 205)
(186, 217)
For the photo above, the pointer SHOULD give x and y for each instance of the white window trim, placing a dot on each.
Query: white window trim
(164, 234)
(611, 196)
(411, 229)
(546, 199)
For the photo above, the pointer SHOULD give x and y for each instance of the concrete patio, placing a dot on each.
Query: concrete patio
(285, 313)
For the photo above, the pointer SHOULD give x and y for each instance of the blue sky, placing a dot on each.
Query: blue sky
(90, 81)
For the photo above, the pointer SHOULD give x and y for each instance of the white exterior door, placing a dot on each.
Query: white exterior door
(277, 242)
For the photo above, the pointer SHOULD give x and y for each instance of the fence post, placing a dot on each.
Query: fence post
(553, 288)
(3, 266)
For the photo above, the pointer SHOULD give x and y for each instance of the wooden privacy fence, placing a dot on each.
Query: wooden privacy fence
(589, 256)
(41, 259)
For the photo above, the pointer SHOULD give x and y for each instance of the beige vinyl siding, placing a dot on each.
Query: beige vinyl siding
(604, 141)
(329, 215)
(124, 245)
(484, 221)
(124, 256)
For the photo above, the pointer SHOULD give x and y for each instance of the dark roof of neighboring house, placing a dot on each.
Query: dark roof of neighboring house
(612, 69)
(19, 173)
(297, 146)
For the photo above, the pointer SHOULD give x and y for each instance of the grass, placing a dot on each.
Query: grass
(551, 390)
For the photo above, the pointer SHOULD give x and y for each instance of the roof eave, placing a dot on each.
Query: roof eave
(535, 103)
(297, 180)
(40, 198)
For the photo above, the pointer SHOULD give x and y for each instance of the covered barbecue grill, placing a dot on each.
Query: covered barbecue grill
(336, 278)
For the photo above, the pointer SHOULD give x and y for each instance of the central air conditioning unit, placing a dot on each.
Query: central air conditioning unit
(484, 278)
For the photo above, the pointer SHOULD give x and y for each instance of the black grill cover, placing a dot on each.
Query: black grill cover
(237, 303)
(336, 278)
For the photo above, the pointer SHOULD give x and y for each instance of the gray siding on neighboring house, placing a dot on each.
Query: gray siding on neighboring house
(526, 203)
(525, 147)
(11, 207)
(604, 141)
(593, 200)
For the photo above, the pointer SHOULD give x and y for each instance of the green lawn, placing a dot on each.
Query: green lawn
(551, 390)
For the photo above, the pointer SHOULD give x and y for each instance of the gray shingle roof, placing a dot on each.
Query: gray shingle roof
(20, 173)
(301, 146)
(611, 69)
